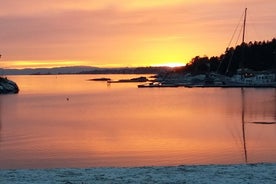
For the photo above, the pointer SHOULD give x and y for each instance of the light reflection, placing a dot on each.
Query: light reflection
(264, 118)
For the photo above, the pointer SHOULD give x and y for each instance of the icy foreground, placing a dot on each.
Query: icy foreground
(7, 86)
(252, 173)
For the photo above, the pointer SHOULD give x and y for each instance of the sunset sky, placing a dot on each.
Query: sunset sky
(114, 33)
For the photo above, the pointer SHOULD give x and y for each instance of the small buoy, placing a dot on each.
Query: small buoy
(67, 99)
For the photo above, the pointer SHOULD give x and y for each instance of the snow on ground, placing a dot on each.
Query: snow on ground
(251, 173)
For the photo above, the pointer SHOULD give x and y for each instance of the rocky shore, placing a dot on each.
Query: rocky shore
(7, 86)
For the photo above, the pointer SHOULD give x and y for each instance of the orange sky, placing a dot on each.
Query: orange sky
(124, 33)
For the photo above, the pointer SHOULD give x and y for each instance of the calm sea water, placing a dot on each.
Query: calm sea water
(67, 121)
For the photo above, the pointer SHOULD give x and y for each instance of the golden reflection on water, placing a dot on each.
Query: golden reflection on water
(66, 121)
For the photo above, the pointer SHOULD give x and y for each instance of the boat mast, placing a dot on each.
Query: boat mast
(244, 23)
(243, 42)
(242, 91)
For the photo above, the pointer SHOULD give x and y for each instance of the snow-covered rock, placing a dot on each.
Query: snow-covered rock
(7, 86)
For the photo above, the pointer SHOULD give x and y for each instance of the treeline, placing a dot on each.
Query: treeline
(257, 56)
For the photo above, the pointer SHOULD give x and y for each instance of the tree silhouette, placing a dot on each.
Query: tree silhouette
(256, 56)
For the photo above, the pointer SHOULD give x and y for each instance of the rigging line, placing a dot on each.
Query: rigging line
(235, 31)
(255, 33)
(255, 26)
(232, 54)
(232, 37)
(239, 35)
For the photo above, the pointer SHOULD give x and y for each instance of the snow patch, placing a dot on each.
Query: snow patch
(251, 173)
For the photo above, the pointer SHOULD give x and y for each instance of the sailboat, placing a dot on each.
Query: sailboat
(249, 78)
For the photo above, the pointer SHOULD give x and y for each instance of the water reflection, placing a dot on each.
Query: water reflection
(260, 117)
(122, 125)
(243, 126)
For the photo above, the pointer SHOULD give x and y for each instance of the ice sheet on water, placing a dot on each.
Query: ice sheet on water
(251, 173)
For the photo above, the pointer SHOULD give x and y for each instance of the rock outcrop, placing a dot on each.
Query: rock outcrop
(7, 86)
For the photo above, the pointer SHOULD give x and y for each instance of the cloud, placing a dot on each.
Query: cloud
(108, 31)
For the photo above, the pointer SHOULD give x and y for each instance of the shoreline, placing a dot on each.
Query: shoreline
(240, 173)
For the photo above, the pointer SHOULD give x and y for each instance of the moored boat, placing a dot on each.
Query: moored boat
(253, 79)
(157, 85)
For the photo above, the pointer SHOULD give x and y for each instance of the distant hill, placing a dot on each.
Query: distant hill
(46, 71)
(84, 70)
